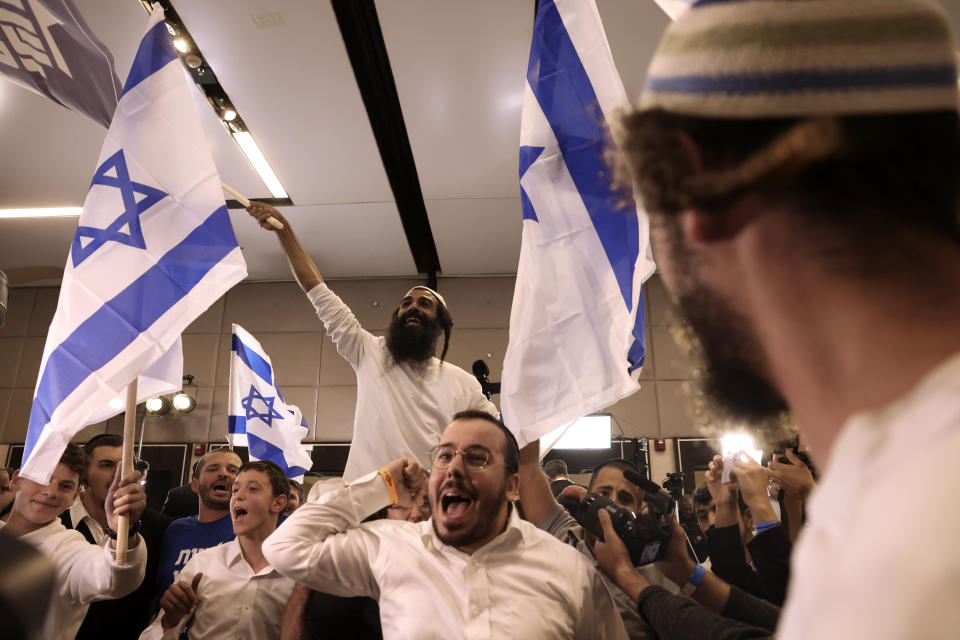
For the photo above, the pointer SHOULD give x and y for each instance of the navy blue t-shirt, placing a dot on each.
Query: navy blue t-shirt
(184, 538)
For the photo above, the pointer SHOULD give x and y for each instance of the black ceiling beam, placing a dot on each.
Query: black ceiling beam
(363, 39)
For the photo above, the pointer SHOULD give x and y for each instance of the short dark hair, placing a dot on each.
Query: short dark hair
(198, 467)
(294, 485)
(702, 495)
(511, 452)
(879, 175)
(74, 459)
(618, 463)
(102, 440)
(554, 468)
(279, 485)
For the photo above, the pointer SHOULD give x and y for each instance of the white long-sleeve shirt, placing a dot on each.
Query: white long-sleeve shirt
(233, 600)
(877, 558)
(84, 573)
(523, 584)
(401, 410)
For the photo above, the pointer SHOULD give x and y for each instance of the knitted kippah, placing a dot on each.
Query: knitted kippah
(795, 58)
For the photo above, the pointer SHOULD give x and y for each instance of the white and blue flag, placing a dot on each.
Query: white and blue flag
(577, 322)
(153, 249)
(258, 417)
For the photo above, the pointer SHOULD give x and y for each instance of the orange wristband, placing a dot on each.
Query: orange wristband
(391, 485)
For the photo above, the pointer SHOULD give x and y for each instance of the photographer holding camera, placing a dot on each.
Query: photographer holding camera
(608, 481)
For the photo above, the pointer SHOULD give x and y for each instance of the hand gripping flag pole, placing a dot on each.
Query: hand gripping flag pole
(276, 224)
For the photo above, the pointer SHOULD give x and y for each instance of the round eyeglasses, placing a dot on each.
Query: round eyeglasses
(474, 457)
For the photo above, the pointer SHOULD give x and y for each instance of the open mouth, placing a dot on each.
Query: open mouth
(220, 487)
(455, 504)
(411, 320)
(239, 513)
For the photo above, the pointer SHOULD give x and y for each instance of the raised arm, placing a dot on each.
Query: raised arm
(535, 495)
(303, 267)
(322, 546)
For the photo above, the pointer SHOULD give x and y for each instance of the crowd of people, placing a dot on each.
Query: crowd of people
(799, 162)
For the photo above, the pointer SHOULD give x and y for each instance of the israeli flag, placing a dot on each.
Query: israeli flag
(153, 249)
(577, 322)
(258, 416)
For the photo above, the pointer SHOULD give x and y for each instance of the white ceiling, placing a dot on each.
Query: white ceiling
(459, 69)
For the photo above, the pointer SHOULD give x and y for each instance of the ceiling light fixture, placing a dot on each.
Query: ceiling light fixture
(181, 45)
(229, 115)
(49, 212)
(158, 405)
(183, 402)
(259, 162)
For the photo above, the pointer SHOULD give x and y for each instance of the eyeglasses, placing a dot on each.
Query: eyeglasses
(475, 457)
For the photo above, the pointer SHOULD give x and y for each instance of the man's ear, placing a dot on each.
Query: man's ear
(15, 481)
(513, 487)
(194, 484)
(701, 228)
(279, 504)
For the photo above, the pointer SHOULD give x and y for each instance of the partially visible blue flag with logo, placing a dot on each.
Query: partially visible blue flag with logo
(577, 322)
(153, 249)
(46, 46)
(258, 417)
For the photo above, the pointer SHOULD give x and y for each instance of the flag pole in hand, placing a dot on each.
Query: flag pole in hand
(126, 466)
(276, 224)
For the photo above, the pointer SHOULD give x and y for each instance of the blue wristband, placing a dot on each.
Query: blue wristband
(697, 577)
(765, 524)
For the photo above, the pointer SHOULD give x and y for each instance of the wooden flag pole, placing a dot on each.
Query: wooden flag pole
(276, 224)
(126, 466)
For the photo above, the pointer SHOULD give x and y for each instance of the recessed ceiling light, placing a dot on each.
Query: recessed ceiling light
(181, 45)
(49, 212)
(229, 115)
(255, 156)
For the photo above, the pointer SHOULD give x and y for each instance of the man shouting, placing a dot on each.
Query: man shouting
(405, 395)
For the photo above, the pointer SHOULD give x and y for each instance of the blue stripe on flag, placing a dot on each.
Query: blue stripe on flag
(638, 352)
(566, 96)
(236, 424)
(117, 323)
(253, 360)
(798, 81)
(156, 50)
(262, 450)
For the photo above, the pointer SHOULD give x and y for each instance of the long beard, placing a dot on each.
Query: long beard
(412, 343)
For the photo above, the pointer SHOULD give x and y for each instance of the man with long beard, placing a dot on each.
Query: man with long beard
(405, 395)
(475, 569)
(800, 164)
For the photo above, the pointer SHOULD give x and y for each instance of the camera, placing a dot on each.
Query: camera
(674, 485)
(645, 534)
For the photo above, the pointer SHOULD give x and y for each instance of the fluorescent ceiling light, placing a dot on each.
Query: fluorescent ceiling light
(260, 164)
(588, 432)
(49, 212)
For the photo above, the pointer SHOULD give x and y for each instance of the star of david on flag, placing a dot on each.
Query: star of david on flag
(126, 227)
(577, 321)
(142, 265)
(248, 405)
(258, 417)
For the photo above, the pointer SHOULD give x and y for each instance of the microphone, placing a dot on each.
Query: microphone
(640, 481)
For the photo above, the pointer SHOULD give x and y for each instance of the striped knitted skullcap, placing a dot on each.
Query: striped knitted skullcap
(796, 58)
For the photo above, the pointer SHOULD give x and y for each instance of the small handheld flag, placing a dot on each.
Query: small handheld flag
(258, 416)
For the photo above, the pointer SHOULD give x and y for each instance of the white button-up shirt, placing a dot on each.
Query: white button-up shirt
(233, 600)
(523, 584)
(84, 573)
(401, 410)
(79, 513)
(878, 559)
